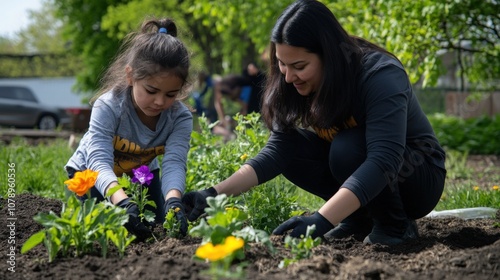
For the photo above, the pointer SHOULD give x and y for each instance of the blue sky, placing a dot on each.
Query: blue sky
(14, 15)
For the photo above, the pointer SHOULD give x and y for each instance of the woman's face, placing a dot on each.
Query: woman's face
(300, 67)
(155, 94)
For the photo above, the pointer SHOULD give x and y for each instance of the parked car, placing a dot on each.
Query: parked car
(19, 107)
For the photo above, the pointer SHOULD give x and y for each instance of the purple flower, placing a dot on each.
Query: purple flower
(142, 175)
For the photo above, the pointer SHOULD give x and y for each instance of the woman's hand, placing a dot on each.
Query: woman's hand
(299, 225)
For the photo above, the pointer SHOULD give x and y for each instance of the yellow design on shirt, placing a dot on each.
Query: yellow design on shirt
(329, 133)
(129, 155)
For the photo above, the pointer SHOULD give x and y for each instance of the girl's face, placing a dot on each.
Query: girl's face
(300, 67)
(155, 94)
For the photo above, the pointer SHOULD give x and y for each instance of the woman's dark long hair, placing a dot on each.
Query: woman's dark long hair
(311, 25)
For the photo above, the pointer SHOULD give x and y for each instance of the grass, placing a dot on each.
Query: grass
(455, 197)
(38, 169)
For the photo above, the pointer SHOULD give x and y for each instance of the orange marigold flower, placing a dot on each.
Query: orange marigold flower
(475, 188)
(496, 188)
(82, 182)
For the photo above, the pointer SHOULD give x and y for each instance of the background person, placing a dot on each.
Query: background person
(137, 116)
(234, 88)
(347, 127)
(256, 80)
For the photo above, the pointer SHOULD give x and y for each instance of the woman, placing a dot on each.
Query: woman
(347, 127)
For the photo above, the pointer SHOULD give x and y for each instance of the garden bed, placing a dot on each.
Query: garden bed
(449, 248)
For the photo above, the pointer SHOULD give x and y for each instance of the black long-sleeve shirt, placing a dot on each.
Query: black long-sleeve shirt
(388, 110)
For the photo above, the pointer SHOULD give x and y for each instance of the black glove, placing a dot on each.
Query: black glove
(180, 214)
(134, 224)
(196, 202)
(299, 224)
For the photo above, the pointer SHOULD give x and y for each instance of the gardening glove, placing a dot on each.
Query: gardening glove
(180, 214)
(299, 224)
(134, 224)
(196, 202)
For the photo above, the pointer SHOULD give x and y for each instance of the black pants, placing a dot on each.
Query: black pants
(320, 167)
(154, 193)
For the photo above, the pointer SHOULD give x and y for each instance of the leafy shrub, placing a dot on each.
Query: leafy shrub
(79, 226)
(475, 135)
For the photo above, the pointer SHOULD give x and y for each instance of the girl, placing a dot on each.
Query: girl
(138, 115)
(347, 127)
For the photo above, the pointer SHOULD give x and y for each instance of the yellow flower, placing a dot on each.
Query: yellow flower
(495, 188)
(233, 243)
(210, 252)
(244, 156)
(213, 253)
(82, 182)
(475, 188)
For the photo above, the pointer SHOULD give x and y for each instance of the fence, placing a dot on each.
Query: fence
(460, 104)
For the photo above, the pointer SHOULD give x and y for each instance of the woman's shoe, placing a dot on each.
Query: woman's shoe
(348, 228)
(381, 235)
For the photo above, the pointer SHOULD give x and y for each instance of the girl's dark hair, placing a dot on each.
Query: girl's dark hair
(311, 25)
(148, 52)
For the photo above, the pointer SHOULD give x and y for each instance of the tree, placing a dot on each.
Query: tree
(419, 31)
(38, 50)
(225, 34)
(82, 26)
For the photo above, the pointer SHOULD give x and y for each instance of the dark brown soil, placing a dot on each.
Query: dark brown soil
(448, 248)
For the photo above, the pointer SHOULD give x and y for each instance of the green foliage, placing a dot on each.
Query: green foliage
(39, 168)
(456, 165)
(90, 42)
(171, 225)
(239, 25)
(40, 65)
(224, 35)
(474, 135)
(79, 226)
(418, 32)
(210, 160)
(468, 197)
(270, 204)
(38, 50)
(223, 220)
(138, 194)
(300, 248)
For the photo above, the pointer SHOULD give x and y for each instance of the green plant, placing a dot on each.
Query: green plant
(79, 226)
(473, 135)
(225, 220)
(134, 188)
(171, 225)
(269, 203)
(300, 248)
(467, 197)
(211, 161)
(41, 166)
(456, 165)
